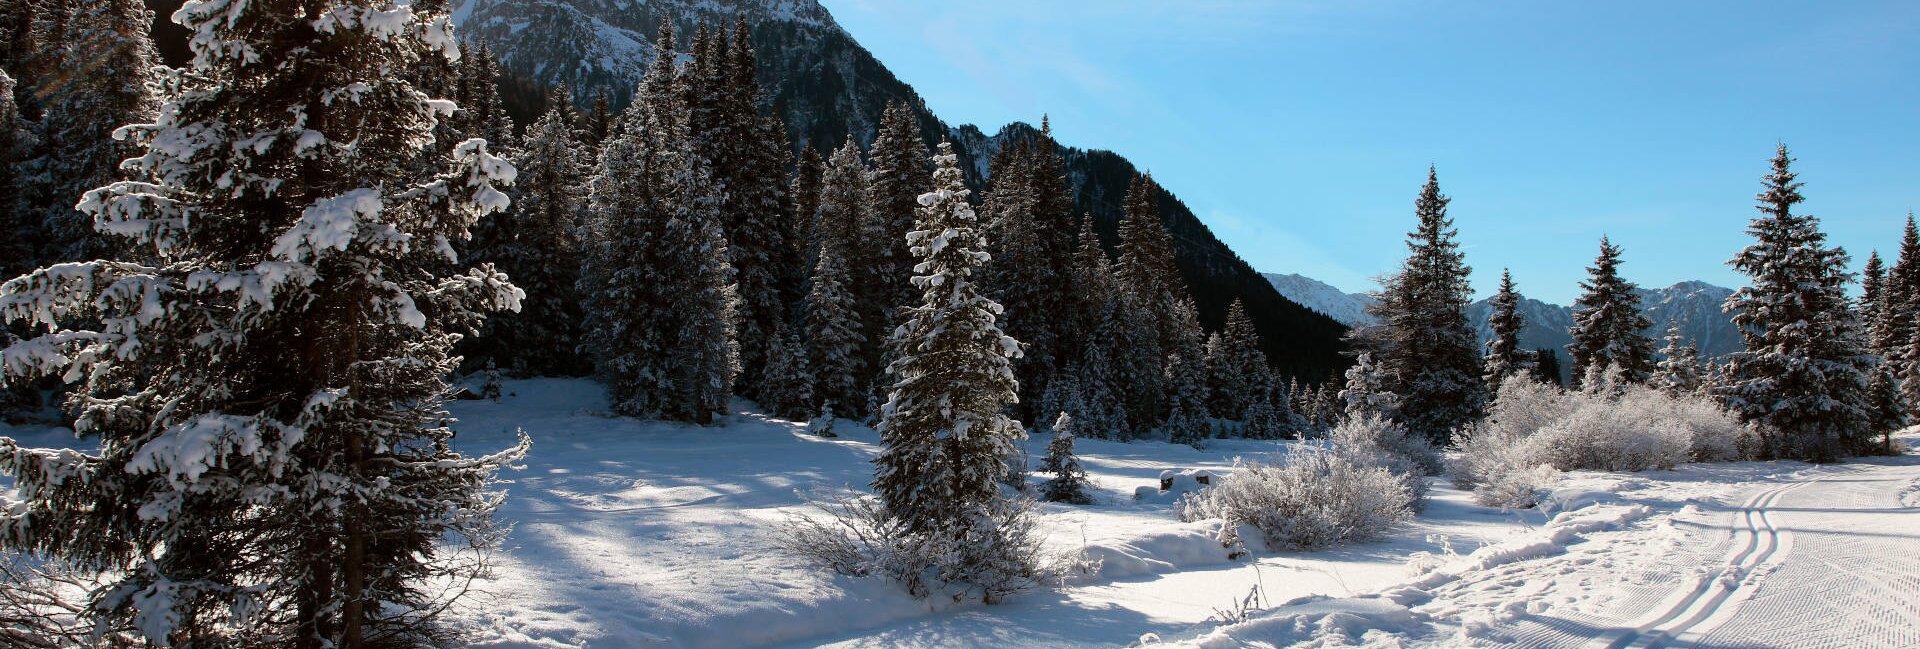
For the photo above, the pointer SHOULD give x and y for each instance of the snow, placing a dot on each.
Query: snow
(630, 533)
(656, 534)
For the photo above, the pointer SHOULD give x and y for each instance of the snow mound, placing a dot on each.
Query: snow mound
(1175, 547)
(1320, 622)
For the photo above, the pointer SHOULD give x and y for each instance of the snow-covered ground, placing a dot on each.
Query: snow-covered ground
(647, 534)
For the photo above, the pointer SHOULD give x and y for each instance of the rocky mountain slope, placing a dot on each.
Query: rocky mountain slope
(828, 88)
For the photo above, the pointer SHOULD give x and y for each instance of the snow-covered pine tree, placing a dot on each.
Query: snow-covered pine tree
(1505, 359)
(899, 177)
(655, 283)
(748, 164)
(1873, 281)
(1428, 354)
(1803, 375)
(596, 121)
(1186, 379)
(803, 198)
(1679, 372)
(1886, 405)
(834, 335)
(98, 74)
(1146, 266)
(266, 380)
(17, 249)
(1069, 482)
(1366, 390)
(537, 244)
(1608, 329)
(1893, 331)
(943, 436)
(845, 219)
(1239, 372)
(786, 385)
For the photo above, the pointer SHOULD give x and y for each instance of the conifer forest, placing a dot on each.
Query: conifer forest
(352, 324)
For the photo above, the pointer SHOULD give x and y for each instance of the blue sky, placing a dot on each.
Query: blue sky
(1300, 131)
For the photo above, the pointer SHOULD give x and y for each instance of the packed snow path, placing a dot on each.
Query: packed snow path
(1818, 557)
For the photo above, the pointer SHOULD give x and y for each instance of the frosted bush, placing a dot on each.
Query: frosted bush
(1314, 499)
(1621, 428)
(1001, 554)
(1367, 439)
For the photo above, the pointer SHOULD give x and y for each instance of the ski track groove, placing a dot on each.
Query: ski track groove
(1712, 588)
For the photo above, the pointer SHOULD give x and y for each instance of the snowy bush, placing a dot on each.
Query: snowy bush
(999, 555)
(1315, 498)
(1366, 439)
(1535, 429)
(43, 604)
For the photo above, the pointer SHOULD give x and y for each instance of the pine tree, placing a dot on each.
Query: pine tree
(274, 467)
(537, 245)
(1546, 367)
(1679, 372)
(1427, 353)
(1802, 377)
(1186, 379)
(1607, 325)
(1146, 265)
(98, 74)
(803, 195)
(1020, 277)
(899, 177)
(655, 283)
(16, 250)
(1893, 328)
(786, 385)
(1887, 407)
(596, 121)
(944, 438)
(1872, 283)
(834, 335)
(845, 219)
(1069, 483)
(747, 157)
(1366, 391)
(1505, 358)
(1238, 367)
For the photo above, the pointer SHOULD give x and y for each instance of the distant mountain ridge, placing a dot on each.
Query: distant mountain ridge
(1695, 305)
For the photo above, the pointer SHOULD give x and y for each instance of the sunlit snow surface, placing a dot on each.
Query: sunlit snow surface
(645, 534)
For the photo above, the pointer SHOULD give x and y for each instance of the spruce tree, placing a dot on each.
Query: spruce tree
(1146, 266)
(1239, 370)
(1505, 359)
(803, 198)
(265, 378)
(786, 385)
(1893, 331)
(1887, 407)
(834, 335)
(943, 436)
(107, 39)
(1608, 329)
(17, 250)
(1366, 392)
(1803, 375)
(1679, 372)
(1872, 291)
(1186, 379)
(1427, 353)
(537, 245)
(899, 177)
(655, 283)
(1546, 367)
(845, 218)
(1069, 482)
(596, 121)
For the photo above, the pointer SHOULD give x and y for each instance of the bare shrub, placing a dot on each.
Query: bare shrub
(995, 555)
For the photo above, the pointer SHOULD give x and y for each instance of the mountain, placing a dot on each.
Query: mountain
(1694, 305)
(827, 88)
(1349, 309)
